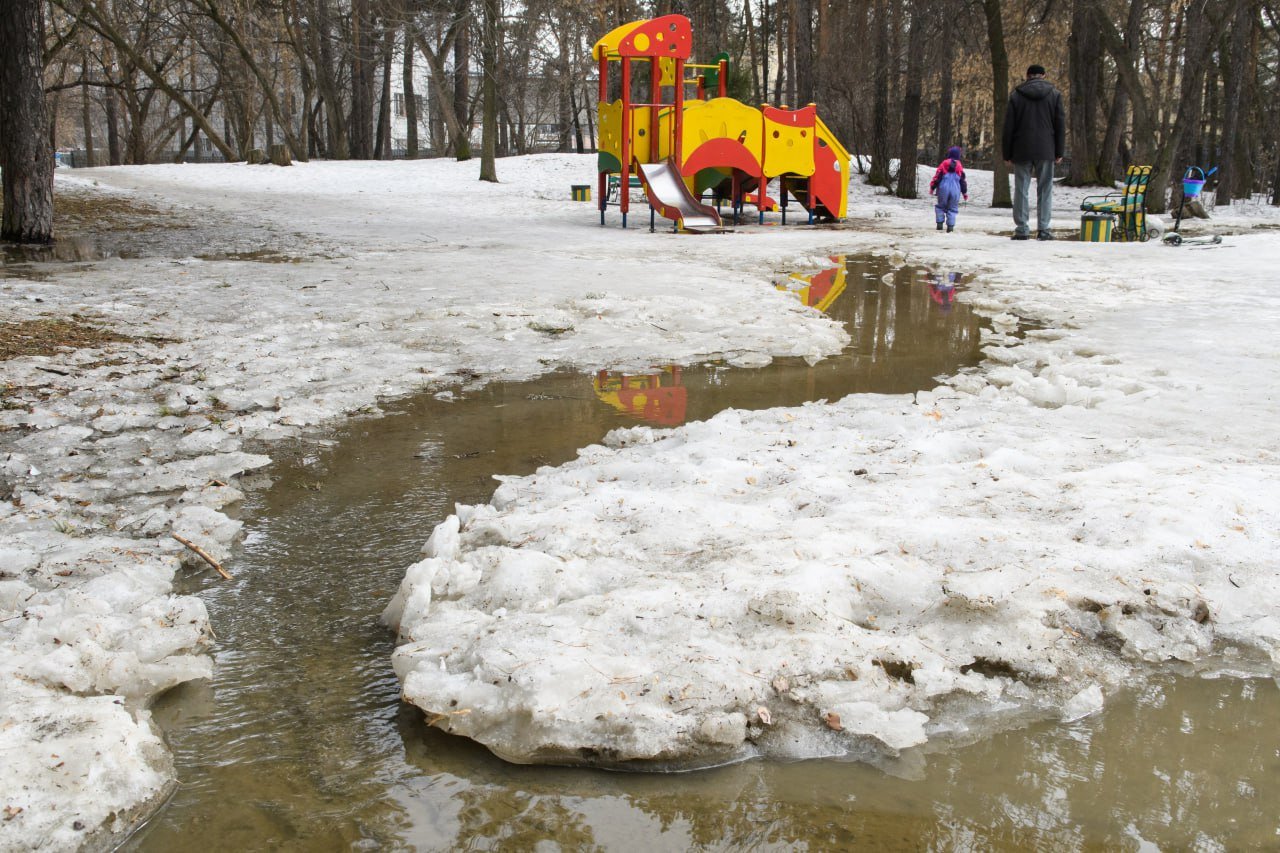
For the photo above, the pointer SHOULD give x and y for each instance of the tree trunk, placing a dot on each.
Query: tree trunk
(26, 159)
(361, 129)
(322, 40)
(111, 101)
(911, 100)
(86, 107)
(1234, 65)
(879, 174)
(1000, 195)
(1084, 58)
(462, 88)
(489, 91)
(382, 148)
(805, 65)
(764, 51)
(780, 37)
(752, 51)
(564, 94)
(946, 96)
(442, 100)
(578, 141)
(410, 98)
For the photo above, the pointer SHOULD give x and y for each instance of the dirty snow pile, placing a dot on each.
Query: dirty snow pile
(1100, 498)
(393, 285)
(95, 480)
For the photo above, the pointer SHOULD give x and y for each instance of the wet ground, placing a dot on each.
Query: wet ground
(301, 741)
(97, 226)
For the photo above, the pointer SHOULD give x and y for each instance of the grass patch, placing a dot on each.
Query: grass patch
(50, 337)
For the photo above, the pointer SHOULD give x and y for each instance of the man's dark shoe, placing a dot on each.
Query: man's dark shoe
(1044, 235)
(1020, 237)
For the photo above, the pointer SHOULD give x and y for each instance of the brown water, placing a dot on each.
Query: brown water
(301, 741)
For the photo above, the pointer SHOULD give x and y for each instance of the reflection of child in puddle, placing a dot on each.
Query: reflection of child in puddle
(942, 288)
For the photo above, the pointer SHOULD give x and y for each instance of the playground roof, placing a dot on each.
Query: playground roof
(668, 36)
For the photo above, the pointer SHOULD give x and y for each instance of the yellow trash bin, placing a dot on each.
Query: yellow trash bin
(581, 192)
(1096, 227)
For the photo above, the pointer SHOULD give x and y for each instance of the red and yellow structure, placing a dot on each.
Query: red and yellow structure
(718, 144)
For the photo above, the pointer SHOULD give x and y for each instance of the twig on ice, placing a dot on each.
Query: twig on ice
(202, 554)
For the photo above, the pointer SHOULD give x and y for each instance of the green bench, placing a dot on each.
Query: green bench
(615, 181)
(1127, 206)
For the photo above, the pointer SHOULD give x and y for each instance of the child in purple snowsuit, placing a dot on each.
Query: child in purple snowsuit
(950, 185)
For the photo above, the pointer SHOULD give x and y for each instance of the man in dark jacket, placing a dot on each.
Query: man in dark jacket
(1035, 136)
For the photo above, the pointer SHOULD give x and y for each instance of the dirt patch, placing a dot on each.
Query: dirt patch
(50, 337)
(102, 212)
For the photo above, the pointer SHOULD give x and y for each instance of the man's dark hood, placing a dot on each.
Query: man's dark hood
(1036, 89)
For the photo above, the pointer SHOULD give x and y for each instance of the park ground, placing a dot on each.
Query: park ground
(1097, 499)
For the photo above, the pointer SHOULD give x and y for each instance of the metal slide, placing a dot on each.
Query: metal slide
(670, 196)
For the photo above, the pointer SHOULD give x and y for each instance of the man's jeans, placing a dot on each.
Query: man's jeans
(1022, 172)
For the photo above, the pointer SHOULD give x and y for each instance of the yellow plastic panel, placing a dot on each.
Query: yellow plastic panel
(788, 141)
(667, 69)
(721, 118)
(609, 121)
(608, 46)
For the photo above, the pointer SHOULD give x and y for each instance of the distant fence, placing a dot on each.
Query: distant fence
(79, 158)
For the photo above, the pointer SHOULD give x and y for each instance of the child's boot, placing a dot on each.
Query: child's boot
(939, 226)
(950, 228)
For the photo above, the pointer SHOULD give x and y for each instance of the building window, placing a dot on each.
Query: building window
(397, 103)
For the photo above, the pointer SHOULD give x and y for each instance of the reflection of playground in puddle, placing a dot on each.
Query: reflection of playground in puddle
(821, 289)
(656, 397)
(902, 337)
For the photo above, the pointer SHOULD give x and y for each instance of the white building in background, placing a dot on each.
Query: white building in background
(536, 118)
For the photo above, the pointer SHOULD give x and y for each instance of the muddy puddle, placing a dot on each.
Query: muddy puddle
(93, 226)
(301, 741)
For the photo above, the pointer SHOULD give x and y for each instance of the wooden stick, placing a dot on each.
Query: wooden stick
(202, 554)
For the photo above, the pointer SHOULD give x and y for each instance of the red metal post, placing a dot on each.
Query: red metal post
(602, 181)
(624, 185)
(677, 125)
(722, 78)
(702, 87)
(764, 155)
(655, 106)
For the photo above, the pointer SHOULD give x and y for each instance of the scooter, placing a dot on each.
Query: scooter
(1193, 181)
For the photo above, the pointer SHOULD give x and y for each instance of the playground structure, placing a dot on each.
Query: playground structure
(682, 149)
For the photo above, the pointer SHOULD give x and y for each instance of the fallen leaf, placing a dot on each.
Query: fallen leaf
(765, 717)
(832, 719)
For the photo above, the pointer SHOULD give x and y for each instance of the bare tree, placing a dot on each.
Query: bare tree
(489, 67)
(26, 157)
(1000, 195)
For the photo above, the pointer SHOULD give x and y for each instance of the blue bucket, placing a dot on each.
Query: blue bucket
(1192, 185)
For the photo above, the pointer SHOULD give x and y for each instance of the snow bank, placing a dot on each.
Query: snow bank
(1099, 499)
